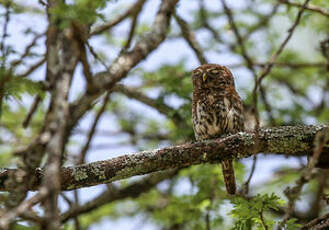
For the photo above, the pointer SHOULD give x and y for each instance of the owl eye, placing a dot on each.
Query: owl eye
(214, 71)
(197, 73)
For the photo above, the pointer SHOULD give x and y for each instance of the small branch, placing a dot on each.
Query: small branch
(34, 107)
(267, 106)
(91, 133)
(189, 36)
(95, 55)
(291, 31)
(8, 217)
(160, 106)
(100, 29)
(245, 189)
(321, 138)
(5, 34)
(287, 140)
(316, 221)
(263, 221)
(33, 67)
(205, 23)
(133, 190)
(263, 21)
(27, 51)
(293, 65)
(310, 7)
(137, 9)
(267, 69)
(239, 39)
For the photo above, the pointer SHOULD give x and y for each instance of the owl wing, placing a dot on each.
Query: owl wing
(233, 118)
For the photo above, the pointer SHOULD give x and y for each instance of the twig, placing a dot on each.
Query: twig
(205, 23)
(136, 13)
(239, 39)
(26, 52)
(245, 189)
(309, 7)
(322, 226)
(267, 105)
(5, 75)
(292, 65)
(96, 56)
(5, 34)
(131, 32)
(262, 220)
(315, 222)
(267, 69)
(33, 108)
(9, 217)
(91, 133)
(160, 106)
(77, 224)
(189, 36)
(109, 25)
(271, 62)
(263, 21)
(33, 67)
(293, 193)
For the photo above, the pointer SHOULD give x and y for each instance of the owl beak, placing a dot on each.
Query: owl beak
(204, 77)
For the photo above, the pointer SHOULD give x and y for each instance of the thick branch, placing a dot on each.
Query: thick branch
(287, 140)
(125, 61)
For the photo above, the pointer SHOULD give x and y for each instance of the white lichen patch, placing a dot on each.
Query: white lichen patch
(79, 174)
(151, 154)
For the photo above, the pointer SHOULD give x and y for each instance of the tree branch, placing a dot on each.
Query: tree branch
(125, 61)
(131, 10)
(190, 38)
(133, 190)
(287, 140)
(313, 8)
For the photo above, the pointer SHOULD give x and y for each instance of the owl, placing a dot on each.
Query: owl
(216, 110)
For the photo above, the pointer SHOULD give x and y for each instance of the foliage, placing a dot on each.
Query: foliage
(252, 212)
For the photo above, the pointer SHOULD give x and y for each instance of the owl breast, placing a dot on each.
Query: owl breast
(205, 122)
(214, 118)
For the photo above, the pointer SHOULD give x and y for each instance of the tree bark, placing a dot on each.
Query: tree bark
(285, 140)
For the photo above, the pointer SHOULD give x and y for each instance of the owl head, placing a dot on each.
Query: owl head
(212, 76)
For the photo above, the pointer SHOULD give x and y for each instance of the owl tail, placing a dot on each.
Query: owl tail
(228, 174)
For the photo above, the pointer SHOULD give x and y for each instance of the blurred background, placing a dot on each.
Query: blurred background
(150, 107)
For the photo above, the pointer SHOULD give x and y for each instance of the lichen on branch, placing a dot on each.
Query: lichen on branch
(284, 140)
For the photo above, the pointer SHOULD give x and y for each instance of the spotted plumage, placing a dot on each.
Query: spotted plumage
(216, 110)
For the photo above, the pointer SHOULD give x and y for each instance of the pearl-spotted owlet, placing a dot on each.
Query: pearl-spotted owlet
(216, 110)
